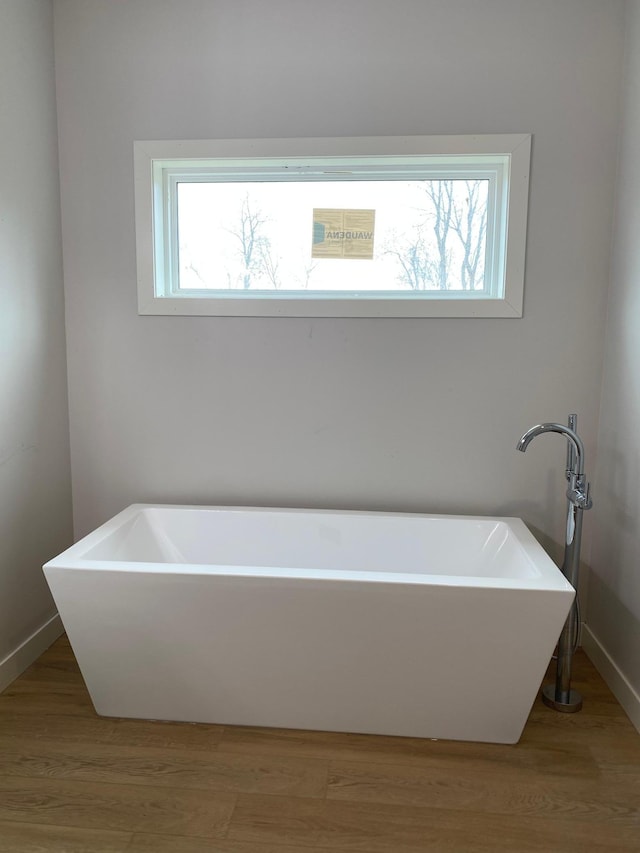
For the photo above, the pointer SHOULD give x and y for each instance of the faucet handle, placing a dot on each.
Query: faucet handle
(579, 493)
(588, 503)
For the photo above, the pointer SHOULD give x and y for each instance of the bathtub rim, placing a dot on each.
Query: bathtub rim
(550, 577)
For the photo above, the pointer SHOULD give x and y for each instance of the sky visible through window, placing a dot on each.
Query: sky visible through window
(402, 236)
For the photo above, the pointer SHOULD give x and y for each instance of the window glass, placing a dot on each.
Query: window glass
(366, 236)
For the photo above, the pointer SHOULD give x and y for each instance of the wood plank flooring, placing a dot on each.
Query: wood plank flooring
(73, 782)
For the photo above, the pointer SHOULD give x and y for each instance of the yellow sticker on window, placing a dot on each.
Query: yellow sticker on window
(343, 233)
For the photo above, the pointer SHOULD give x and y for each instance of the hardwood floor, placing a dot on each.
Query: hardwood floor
(73, 782)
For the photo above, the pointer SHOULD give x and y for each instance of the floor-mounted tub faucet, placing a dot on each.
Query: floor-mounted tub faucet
(560, 695)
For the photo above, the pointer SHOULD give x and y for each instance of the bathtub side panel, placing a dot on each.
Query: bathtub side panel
(422, 661)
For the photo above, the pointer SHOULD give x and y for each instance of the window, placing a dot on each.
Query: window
(360, 227)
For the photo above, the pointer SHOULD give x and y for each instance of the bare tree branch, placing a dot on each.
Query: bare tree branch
(413, 259)
(307, 272)
(250, 239)
(268, 264)
(441, 195)
(471, 230)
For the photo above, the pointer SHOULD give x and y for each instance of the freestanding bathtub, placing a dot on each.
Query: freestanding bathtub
(418, 625)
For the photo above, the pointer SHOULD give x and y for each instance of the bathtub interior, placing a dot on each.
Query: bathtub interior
(416, 545)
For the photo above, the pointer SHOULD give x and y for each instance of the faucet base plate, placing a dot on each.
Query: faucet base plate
(549, 698)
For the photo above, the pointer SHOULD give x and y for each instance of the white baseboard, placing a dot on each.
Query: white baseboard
(29, 651)
(615, 679)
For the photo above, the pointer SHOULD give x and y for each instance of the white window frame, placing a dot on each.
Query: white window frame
(159, 164)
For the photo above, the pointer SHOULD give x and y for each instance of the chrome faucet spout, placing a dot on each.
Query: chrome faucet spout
(568, 433)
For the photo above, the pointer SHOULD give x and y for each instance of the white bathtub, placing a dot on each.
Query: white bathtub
(426, 626)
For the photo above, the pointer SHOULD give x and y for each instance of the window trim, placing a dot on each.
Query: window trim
(155, 297)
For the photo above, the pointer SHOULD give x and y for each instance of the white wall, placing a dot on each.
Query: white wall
(402, 414)
(35, 497)
(613, 619)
